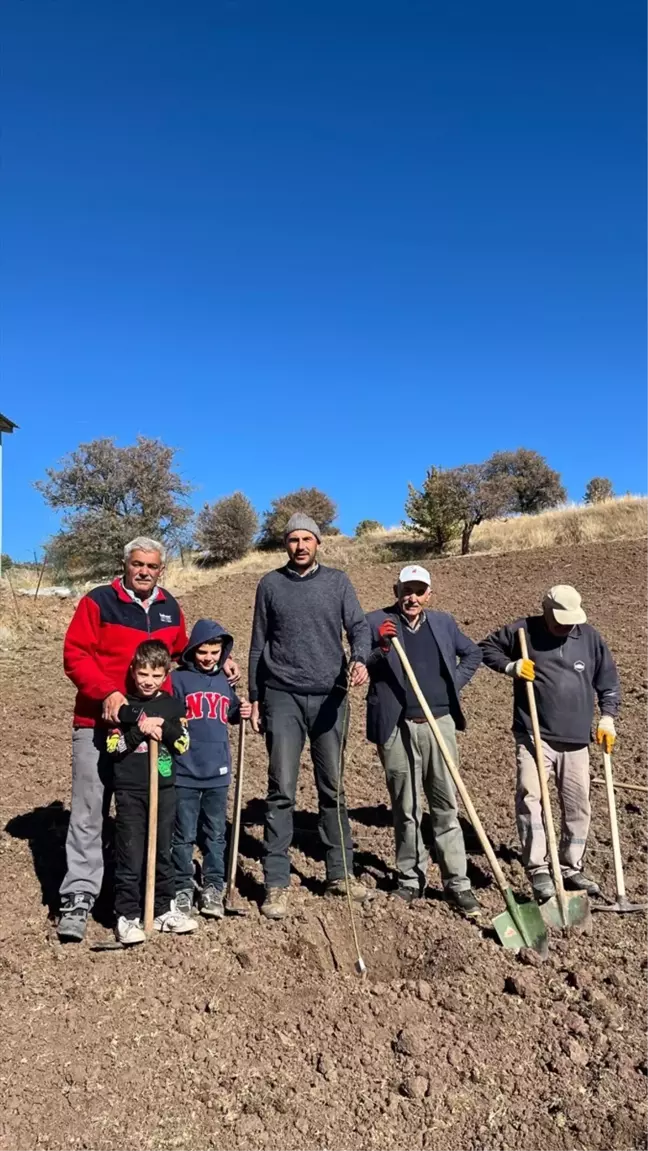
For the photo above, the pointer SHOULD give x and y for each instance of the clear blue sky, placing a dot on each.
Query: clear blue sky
(323, 242)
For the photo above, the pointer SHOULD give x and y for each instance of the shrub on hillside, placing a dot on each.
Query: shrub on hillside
(365, 527)
(226, 528)
(108, 496)
(453, 501)
(311, 501)
(534, 486)
(599, 489)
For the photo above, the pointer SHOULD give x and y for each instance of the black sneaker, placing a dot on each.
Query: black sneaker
(465, 902)
(408, 894)
(73, 920)
(579, 882)
(543, 886)
(210, 903)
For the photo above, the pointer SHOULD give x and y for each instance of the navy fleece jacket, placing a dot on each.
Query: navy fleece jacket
(211, 704)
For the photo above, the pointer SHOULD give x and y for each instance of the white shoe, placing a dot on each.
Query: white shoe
(130, 931)
(175, 921)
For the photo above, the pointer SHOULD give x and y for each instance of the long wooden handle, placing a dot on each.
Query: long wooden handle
(151, 842)
(624, 786)
(544, 787)
(614, 827)
(236, 817)
(500, 878)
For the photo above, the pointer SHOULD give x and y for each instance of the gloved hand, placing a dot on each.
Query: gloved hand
(521, 669)
(606, 733)
(386, 631)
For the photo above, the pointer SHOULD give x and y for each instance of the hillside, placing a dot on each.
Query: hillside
(251, 1035)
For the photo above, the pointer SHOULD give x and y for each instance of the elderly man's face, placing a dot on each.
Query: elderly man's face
(412, 598)
(142, 571)
(301, 548)
(560, 630)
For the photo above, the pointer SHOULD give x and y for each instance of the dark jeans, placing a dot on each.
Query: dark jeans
(131, 828)
(201, 817)
(288, 719)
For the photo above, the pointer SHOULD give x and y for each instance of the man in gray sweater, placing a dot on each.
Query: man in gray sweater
(298, 681)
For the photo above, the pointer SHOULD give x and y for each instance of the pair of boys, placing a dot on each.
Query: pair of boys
(194, 768)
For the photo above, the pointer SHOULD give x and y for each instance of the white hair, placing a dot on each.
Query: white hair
(144, 544)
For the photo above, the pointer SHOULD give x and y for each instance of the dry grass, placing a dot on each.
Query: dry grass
(619, 519)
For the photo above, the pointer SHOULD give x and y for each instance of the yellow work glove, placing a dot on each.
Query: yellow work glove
(606, 733)
(521, 669)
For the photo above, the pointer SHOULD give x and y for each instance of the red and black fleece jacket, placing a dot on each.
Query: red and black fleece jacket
(101, 640)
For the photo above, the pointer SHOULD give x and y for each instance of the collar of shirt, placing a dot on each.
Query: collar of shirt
(417, 622)
(144, 603)
(301, 575)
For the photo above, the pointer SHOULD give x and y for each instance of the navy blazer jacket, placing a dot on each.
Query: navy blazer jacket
(386, 698)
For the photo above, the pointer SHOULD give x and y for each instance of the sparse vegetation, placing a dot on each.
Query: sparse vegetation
(311, 501)
(109, 495)
(366, 527)
(599, 489)
(226, 528)
(534, 486)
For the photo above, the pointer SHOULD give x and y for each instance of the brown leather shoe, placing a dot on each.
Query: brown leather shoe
(275, 904)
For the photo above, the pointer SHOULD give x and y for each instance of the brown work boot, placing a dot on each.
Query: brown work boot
(275, 904)
(357, 890)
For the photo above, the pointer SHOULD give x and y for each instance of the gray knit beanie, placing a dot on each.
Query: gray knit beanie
(302, 523)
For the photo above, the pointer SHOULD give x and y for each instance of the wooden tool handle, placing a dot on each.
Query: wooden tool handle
(453, 769)
(544, 787)
(614, 827)
(151, 841)
(624, 786)
(236, 817)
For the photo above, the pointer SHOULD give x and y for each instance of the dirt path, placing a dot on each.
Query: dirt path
(254, 1035)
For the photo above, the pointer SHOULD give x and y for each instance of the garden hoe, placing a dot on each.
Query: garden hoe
(622, 903)
(151, 853)
(562, 910)
(232, 905)
(521, 925)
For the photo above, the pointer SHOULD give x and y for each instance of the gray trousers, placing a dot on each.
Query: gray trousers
(414, 767)
(288, 720)
(570, 766)
(90, 805)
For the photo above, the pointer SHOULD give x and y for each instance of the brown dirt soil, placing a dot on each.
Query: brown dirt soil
(254, 1035)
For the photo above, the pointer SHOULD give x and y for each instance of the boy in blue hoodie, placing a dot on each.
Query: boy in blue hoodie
(203, 773)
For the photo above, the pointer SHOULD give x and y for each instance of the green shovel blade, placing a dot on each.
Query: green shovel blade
(521, 926)
(577, 910)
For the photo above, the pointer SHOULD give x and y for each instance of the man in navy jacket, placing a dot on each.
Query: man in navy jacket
(444, 660)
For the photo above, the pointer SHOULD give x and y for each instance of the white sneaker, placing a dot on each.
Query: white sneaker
(175, 921)
(130, 931)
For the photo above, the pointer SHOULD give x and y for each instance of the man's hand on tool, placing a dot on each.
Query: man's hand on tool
(245, 710)
(522, 669)
(358, 675)
(232, 670)
(386, 633)
(111, 706)
(151, 725)
(606, 733)
(255, 720)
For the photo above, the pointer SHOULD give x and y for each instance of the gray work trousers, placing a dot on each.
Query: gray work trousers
(414, 767)
(90, 805)
(570, 766)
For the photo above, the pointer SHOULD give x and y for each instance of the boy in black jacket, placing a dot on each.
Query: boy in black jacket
(149, 714)
(204, 771)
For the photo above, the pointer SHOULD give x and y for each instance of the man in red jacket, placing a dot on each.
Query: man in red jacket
(108, 625)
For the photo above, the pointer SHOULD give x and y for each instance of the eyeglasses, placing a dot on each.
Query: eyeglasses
(149, 567)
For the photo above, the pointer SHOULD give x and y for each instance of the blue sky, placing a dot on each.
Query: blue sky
(326, 243)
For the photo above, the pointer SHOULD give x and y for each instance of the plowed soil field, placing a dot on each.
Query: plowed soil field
(258, 1035)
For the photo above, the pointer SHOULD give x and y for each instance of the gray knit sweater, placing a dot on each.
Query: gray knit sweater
(297, 631)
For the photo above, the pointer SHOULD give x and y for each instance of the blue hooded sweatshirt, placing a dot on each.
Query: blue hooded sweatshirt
(211, 704)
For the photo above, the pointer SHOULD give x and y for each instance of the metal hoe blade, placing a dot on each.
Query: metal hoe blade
(622, 906)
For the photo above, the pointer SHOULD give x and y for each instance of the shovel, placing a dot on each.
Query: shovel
(622, 903)
(521, 925)
(232, 906)
(562, 910)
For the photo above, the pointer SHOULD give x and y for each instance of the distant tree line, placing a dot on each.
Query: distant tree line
(108, 494)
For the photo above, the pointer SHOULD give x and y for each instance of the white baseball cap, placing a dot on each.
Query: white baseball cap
(564, 603)
(415, 574)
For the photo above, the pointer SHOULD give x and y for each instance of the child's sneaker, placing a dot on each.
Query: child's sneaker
(211, 903)
(175, 921)
(130, 931)
(74, 918)
(184, 901)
